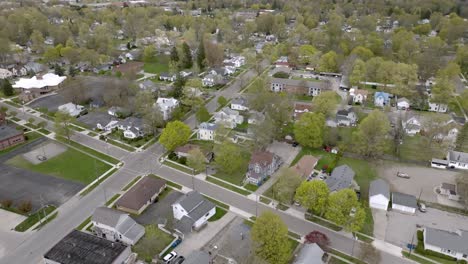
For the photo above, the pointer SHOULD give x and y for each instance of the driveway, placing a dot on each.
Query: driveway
(286, 151)
(423, 179)
(402, 227)
(161, 211)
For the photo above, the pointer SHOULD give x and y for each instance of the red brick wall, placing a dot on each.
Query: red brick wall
(6, 143)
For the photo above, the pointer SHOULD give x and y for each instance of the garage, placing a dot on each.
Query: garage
(404, 203)
(379, 194)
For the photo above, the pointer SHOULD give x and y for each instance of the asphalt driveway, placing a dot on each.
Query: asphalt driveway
(51, 102)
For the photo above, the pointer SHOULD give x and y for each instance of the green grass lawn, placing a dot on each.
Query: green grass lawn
(88, 150)
(34, 218)
(153, 242)
(120, 145)
(71, 164)
(334, 260)
(218, 203)
(111, 200)
(227, 186)
(178, 166)
(238, 176)
(161, 65)
(220, 212)
(264, 200)
(85, 223)
(325, 158)
(251, 187)
(96, 184)
(416, 258)
(417, 148)
(45, 222)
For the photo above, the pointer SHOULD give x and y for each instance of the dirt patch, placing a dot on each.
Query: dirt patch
(44, 152)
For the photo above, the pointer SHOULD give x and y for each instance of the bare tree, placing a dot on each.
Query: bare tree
(369, 253)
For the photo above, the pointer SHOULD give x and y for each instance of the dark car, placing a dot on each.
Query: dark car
(295, 144)
(178, 260)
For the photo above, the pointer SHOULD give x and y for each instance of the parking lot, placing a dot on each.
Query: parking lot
(51, 102)
(422, 180)
(401, 227)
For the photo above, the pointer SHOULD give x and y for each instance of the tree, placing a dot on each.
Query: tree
(362, 52)
(7, 88)
(285, 187)
(37, 41)
(369, 253)
(202, 114)
(370, 139)
(186, 61)
(149, 53)
(329, 62)
(306, 54)
(196, 160)
(174, 55)
(313, 195)
(59, 70)
(270, 237)
(178, 87)
(325, 103)
(229, 157)
(318, 238)
(215, 55)
(344, 209)
(222, 101)
(462, 58)
(153, 119)
(175, 134)
(358, 74)
(201, 56)
(308, 130)
(443, 90)
(462, 188)
(264, 133)
(63, 123)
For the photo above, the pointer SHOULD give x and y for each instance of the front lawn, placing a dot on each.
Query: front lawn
(227, 186)
(71, 164)
(220, 212)
(325, 158)
(368, 227)
(152, 243)
(238, 176)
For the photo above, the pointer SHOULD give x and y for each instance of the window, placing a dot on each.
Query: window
(464, 256)
(207, 214)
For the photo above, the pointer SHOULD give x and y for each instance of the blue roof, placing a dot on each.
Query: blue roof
(385, 95)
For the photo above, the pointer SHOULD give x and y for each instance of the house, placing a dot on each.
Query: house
(133, 133)
(342, 177)
(346, 117)
(5, 74)
(81, 247)
(148, 85)
(210, 80)
(457, 160)
(96, 102)
(379, 194)
(132, 127)
(184, 151)
(305, 166)
(404, 202)
(359, 95)
(310, 254)
(449, 190)
(192, 211)
(403, 104)
(38, 85)
(262, 164)
(72, 109)
(381, 99)
(185, 74)
(168, 77)
(141, 195)
(116, 226)
(453, 244)
(206, 131)
(282, 62)
(437, 107)
(118, 111)
(255, 117)
(9, 135)
(439, 163)
(300, 109)
(236, 61)
(228, 118)
(166, 106)
(412, 126)
(300, 87)
(198, 257)
(240, 104)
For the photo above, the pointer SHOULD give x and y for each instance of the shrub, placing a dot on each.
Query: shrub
(102, 137)
(25, 206)
(6, 203)
(281, 74)
(183, 160)
(439, 255)
(172, 156)
(420, 235)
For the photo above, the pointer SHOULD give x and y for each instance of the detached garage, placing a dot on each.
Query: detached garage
(379, 194)
(404, 203)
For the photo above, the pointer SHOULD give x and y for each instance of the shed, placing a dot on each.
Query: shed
(379, 194)
(404, 202)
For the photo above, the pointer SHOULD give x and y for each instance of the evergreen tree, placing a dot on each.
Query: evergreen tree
(187, 62)
(174, 55)
(59, 70)
(178, 87)
(201, 55)
(7, 88)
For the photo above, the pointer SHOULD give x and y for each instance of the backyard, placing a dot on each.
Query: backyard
(153, 243)
(71, 164)
(161, 65)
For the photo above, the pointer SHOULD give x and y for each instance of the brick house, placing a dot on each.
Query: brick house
(9, 135)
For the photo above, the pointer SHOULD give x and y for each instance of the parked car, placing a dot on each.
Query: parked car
(422, 207)
(403, 175)
(178, 260)
(169, 257)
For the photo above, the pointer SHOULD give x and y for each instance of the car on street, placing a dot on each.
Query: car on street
(403, 175)
(178, 260)
(422, 207)
(169, 257)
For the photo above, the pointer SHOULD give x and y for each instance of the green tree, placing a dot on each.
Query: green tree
(196, 160)
(285, 187)
(52, 54)
(63, 123)
(149, 54)
(308, 130)
(443, 90)
(325, 103)
(7, 88)
(222, 101)
(174, 55)
(362, 52)
(329, 62)
(186, 61)
(462, 58)
(306, 54)
(370, 139)
(175, 134)
(37, 41)
(178, 87)
(313, 195)
(202, 114)
(345, 210)
(201, 56)
(358, 74)
(270, 236)
(228, 157)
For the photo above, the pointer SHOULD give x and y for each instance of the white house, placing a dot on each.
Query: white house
(453, 244)
(236, 61)
(71, 109)
(403, 104)
(4, 74)
(255, 117)
(412, 126)
(359, 96)
(133, 132)
(346, 117)
(240, 104)
(167, 105)
(209, 80)
(436, 107)
(379, 194)
(228, 118)
(206, 131)
(114, 225)
(457, 160)
(107, 126)
(192, 211)
(404, 202)
(167, 77)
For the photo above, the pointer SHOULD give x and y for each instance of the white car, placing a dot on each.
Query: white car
(169, 257)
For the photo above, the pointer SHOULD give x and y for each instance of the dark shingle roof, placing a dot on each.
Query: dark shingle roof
(79, 247)
(141, 193)
(195, 204)
(341, 178)
(404, 199)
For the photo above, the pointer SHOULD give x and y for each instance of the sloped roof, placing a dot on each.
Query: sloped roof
(208, 126)
(48, 79)
(455, 241)
(341, 178)
(458, 156)
(305, 166)
(122, 222)
(263, 158)
(141, 193)
(379, 186)
(404, 199)
(310, 254)
(195, 204)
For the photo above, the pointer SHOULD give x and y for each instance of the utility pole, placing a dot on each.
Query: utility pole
(411, 245)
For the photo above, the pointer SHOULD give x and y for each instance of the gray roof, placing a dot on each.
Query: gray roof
(208, 126)
(458, 156)
(455, 241)
(344, 112)
(379, 186)
(197, 257)
(403, 100)
(184, 225)
(7, 132)
(195, 204)
(122, 222)
(310, 254)
(79, 247)
(341, 178)
(294, 82)
(239, 101)
(132, 121)
(441, 161)
(404, 199)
